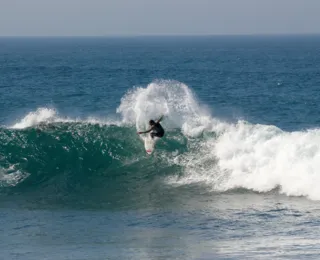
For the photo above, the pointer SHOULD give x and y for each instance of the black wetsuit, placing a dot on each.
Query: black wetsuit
(157, 130)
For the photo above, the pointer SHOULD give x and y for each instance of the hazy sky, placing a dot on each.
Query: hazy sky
(141, 17)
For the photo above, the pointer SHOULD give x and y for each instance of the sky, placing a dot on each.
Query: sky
(158, 17)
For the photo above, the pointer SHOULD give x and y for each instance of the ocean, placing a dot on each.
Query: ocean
(236, 175)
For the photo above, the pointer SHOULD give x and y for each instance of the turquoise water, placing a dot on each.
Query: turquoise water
(236, 175)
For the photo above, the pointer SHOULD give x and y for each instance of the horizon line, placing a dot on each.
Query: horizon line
(156, 35)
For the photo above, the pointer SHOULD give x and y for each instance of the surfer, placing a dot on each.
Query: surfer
(156, 128)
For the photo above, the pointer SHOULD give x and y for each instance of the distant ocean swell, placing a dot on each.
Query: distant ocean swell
(57, 157)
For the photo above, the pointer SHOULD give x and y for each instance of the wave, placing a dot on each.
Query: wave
(104, 161)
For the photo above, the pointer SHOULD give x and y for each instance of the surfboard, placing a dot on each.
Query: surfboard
(149, 144)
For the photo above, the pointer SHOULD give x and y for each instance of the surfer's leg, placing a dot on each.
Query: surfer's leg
(159, 134)
(156, 135)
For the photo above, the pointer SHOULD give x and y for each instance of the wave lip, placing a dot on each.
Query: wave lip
(41, 115)
(44, 116)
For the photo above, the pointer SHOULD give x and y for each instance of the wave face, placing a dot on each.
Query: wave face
(100, 162)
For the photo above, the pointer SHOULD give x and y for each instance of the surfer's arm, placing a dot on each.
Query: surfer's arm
(159, 119)
(146, 131)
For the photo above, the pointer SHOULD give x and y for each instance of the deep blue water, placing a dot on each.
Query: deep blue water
(235, 177)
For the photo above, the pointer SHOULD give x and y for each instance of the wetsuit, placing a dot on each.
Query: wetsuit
(157, 130)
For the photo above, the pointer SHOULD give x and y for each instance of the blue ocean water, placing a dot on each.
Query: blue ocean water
(235, 176)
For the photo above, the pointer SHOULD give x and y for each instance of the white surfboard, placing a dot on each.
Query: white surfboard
(149, 143)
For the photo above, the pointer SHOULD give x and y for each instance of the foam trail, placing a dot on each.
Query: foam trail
(170, 98)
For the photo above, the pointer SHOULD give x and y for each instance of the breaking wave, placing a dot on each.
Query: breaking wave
(74, 160)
